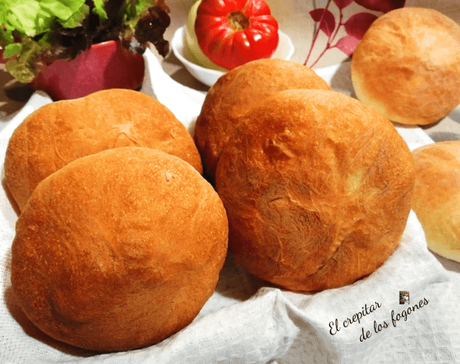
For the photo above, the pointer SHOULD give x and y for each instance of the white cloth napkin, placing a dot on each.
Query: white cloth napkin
(247, 321)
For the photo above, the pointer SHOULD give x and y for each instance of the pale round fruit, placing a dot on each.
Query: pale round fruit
(191, 42)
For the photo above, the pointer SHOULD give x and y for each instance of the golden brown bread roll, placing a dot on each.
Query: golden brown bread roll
(317, 188)
(436, 198)
(237, 92)
(407, 66)
(119, 249)
(63, 131)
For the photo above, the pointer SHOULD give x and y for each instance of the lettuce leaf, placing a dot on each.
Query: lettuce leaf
(76, 19)
(35, 33)
(63, 9)
(19, 66)
(137, 9)
(27, 18)
(6, 37)
(100, 10)
(12, 50)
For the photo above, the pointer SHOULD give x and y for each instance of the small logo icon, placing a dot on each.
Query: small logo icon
(404, 297)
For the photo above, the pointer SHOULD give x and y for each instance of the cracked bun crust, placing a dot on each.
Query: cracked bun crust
(436, 198)
(238, 91)
(63, 131)
(407, 66)
(118, 250)
(317, 188)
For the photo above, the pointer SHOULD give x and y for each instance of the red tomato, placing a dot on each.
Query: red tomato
(233, 32)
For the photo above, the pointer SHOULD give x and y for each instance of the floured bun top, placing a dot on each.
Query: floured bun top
(63, 131)
(238, 91)
(317, 188)
(407, 66)
(119, 249)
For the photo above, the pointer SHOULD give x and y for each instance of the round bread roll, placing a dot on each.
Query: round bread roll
(63, 131)
(436, 198)
(317, 188)
(407, 66)
(238, 91)
(118, 250)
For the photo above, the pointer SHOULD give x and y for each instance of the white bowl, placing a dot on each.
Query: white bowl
(208, 76)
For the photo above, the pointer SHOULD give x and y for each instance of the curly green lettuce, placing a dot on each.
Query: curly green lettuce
(35, 33)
